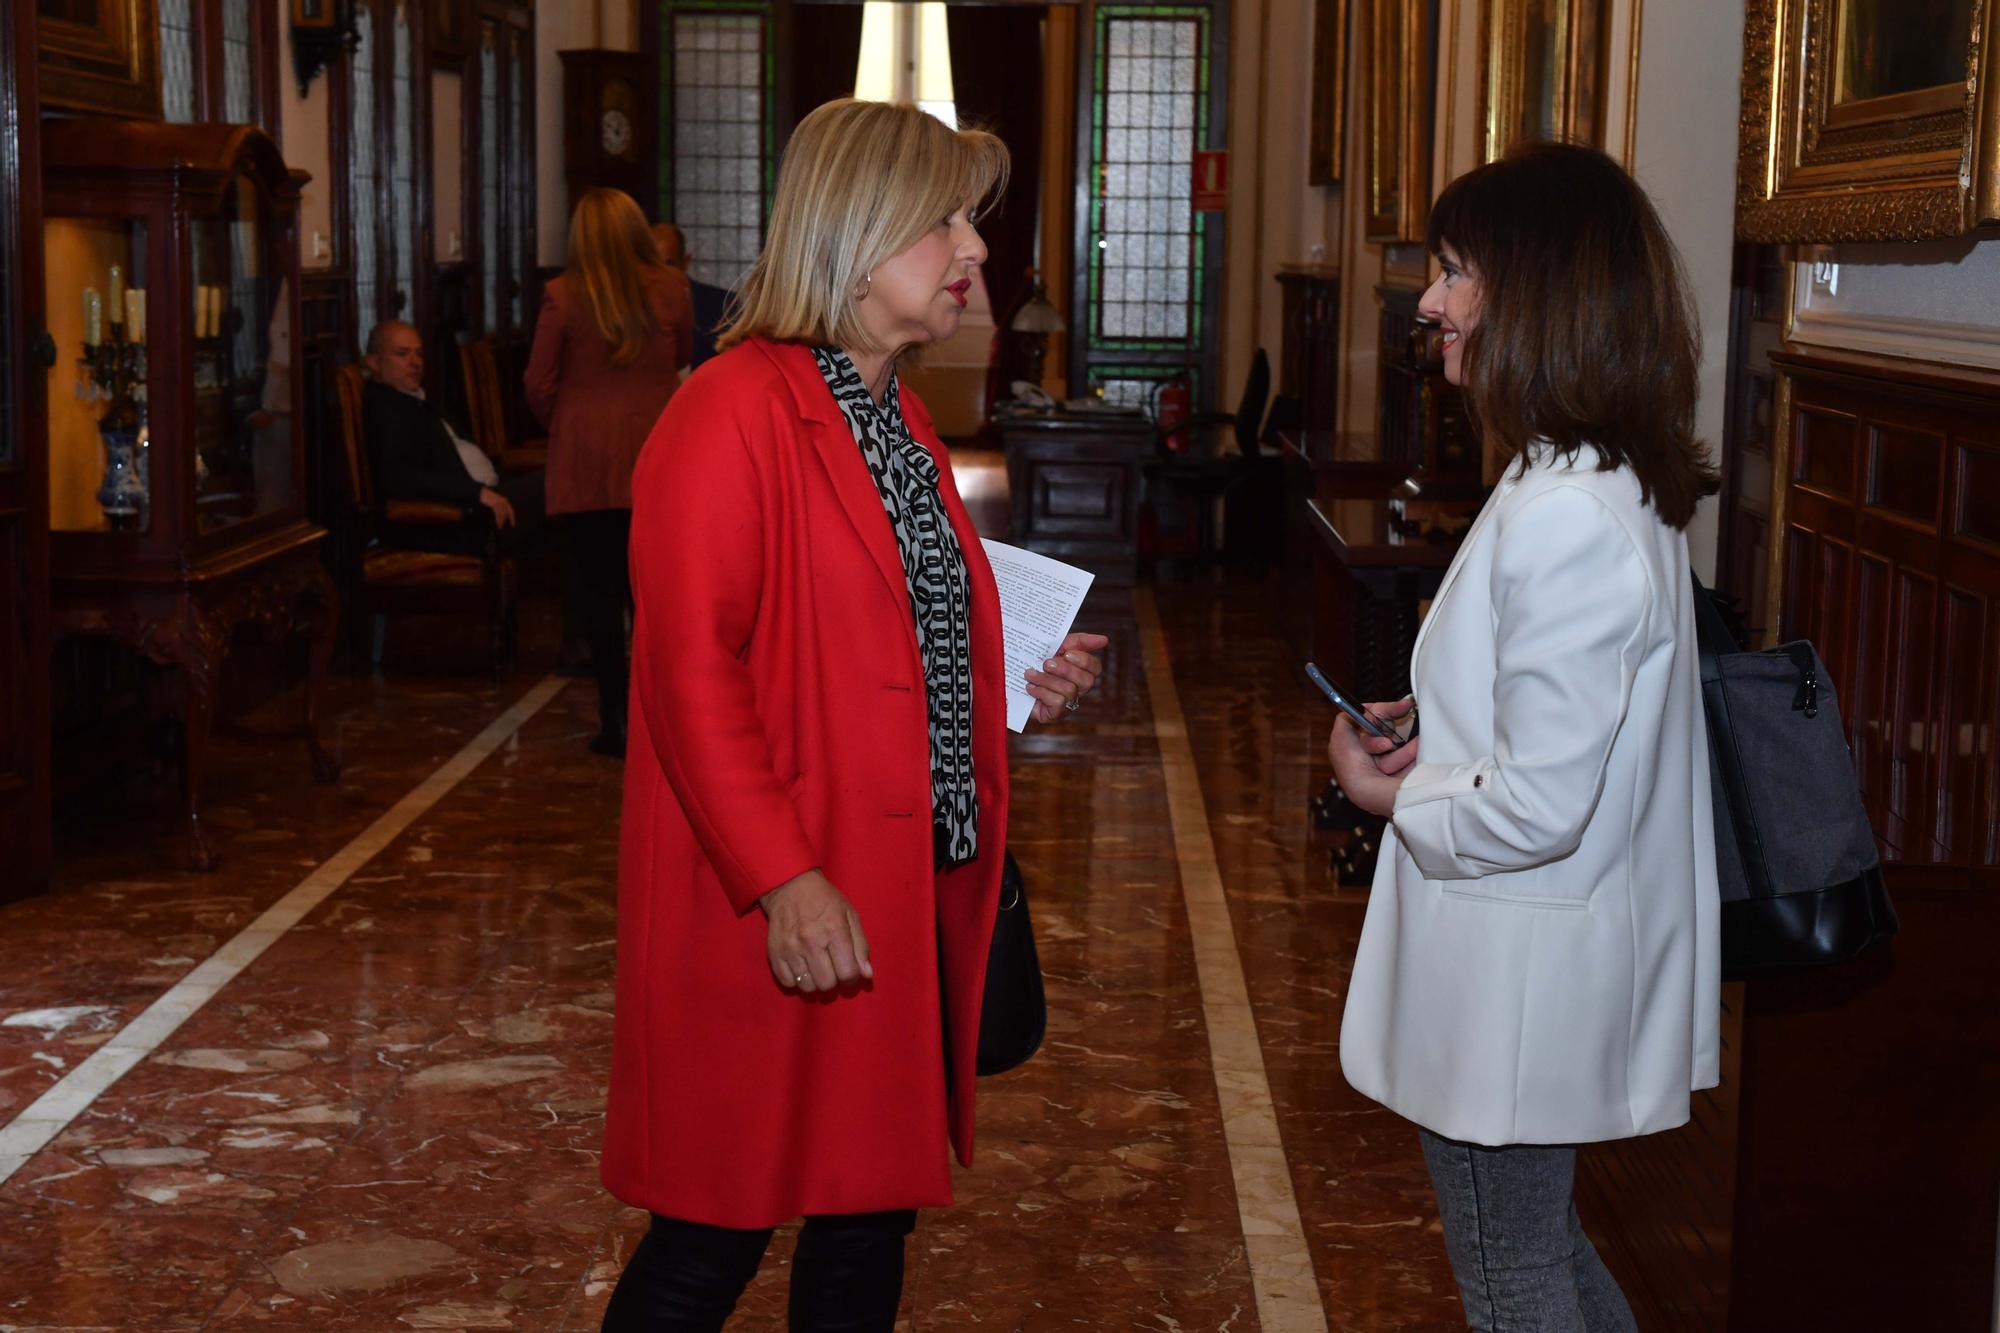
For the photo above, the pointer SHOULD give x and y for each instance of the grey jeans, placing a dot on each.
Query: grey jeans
(1522, 1261)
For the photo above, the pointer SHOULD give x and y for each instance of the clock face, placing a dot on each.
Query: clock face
(615, 129)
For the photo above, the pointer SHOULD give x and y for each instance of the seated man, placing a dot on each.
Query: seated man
(709, 301)
(416, 453)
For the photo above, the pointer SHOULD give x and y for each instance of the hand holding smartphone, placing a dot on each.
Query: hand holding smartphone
(1369, 723)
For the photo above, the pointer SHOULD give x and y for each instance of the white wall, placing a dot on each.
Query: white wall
(1274, 216)
(303, 139)
(1690, 73)
(447, 167)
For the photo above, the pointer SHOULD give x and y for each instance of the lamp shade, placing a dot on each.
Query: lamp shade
(1036, 315)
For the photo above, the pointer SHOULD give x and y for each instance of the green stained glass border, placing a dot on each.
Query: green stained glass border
(761, 11)
(1099, 371)
(1201, 16)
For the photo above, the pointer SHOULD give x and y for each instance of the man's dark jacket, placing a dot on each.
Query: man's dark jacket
(709, 304)
(411, 449)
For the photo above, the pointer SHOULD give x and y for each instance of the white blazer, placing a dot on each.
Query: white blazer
(1540, 962)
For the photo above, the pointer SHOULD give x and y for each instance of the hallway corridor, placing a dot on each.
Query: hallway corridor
(383, 1108)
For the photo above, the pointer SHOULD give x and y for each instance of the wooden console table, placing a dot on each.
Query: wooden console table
(1075, 479)
(187, 620)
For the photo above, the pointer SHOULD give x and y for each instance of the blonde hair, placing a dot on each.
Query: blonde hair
(610, 250)
(861, 182)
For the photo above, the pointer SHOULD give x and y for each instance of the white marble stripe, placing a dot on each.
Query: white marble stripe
(1274, 1238)
(48, 1115)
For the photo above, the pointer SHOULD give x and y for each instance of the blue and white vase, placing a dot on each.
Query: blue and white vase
(122, 496)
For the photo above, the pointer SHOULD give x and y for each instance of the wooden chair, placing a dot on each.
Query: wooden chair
(487, 406)
(397, 573)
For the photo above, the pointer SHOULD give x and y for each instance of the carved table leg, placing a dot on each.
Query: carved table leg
(196, 643)
(320, 624)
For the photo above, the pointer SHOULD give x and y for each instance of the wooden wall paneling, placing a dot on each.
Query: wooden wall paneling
(1659, 1207)
(1869, 1133)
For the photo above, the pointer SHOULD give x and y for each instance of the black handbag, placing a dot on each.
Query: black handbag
(1014, 1013)
(1795, 858)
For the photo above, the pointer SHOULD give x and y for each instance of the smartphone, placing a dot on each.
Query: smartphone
(1367, 721)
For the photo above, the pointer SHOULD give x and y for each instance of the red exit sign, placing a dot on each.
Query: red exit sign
(1211, 180)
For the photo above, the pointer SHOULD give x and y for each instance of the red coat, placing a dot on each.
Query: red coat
(778, 724)
(598, 414)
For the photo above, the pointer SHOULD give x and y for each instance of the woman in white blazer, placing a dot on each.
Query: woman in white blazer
(1539, 964)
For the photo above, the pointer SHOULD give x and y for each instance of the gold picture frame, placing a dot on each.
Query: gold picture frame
(1542, 72)
(1867, 120)
(1398, 48)
(1329, 90)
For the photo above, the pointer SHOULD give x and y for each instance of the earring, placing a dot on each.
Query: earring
(868, 289)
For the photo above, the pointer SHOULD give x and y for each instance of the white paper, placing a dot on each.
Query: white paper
(1039, 599)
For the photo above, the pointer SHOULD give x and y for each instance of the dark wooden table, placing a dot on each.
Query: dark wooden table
(1074, 479)
(186, 620)
(1364, 553)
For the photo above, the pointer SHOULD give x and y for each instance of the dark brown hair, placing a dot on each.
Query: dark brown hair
(1586, 334)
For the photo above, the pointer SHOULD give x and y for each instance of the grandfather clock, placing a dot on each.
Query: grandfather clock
(607, 136)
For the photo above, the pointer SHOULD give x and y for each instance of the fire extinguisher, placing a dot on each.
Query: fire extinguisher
(1172, 406)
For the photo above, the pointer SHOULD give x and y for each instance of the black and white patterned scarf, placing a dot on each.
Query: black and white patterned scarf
(940, 600)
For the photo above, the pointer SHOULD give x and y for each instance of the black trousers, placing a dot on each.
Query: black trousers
(685, 1277)
(598, 596)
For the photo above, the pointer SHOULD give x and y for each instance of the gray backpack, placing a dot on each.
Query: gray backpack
(1801, 882)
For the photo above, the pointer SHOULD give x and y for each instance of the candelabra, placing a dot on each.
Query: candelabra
(112, 369)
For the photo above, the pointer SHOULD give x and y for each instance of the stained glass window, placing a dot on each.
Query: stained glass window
(176, 61)
(1145, 249)
(717, 115)
(238, 101)
(362, 195)
(489, 174)
(1144, 210)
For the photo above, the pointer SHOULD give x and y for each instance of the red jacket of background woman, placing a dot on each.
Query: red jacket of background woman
(778, 724)
(599, 414)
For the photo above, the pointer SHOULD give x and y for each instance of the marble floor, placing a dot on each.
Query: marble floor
(386, 1115)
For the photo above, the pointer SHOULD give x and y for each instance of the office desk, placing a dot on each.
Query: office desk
(1074, 481)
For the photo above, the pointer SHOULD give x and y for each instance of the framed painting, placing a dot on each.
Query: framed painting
(1399, 49)
(99, 55)
(1866, 120)
(1541, 72)
(1329, 92)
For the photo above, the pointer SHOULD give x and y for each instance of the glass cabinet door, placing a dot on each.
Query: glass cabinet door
(241, 425)
(99, 439)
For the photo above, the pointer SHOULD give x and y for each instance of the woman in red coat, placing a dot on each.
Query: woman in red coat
(614, 332)
(816, 793)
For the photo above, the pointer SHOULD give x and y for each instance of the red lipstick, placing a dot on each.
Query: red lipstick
(959, 289)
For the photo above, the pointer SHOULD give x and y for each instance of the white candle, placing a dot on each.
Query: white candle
(201, 316)
(117, 294)
(135, 314)
(93, 317)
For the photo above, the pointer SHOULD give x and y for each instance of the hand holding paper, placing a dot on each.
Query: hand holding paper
(1039, 599)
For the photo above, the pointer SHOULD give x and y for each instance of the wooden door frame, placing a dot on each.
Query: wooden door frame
(24, 481)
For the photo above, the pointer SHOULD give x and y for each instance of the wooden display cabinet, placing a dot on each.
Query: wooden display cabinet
(203, 530)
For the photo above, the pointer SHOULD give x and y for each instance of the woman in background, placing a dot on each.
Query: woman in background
(1540, 963)
(615, 330)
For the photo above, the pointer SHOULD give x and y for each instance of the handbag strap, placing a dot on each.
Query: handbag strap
(1711, 632)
